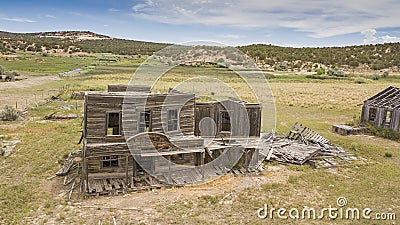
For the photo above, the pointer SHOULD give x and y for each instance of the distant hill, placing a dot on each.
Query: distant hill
(361, 58)
(350, 59)
(74, 41)
(73, 35)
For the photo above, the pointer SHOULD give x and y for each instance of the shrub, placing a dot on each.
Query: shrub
(9, 113)
(388, 154)
(354, 146)
(10, 77)
(385, 74)
(320, 71)
(15, 73)
(210, 199)
(382, 132)
(280, 67)
(336, 73)
(376, 77)
(359, 81)
(2, 70)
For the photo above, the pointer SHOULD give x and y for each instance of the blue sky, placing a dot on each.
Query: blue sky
(238, 22)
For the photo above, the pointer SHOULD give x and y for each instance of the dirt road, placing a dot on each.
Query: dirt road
(31, 81)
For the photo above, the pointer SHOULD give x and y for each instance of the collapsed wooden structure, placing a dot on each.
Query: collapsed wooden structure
(162, 134)
(383, 109)
(304, 145)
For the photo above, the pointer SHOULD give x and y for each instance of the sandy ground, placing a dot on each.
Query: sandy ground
(141, 207)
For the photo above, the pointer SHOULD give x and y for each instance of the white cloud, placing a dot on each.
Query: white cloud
(390, 39)
(20, 20)
(369, 35)
(113, 10)
(232, 36)
(50, 16)
(322, 18)
(142, 6)
(371, 38)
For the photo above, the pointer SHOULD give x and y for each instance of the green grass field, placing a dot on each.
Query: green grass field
(27, 194)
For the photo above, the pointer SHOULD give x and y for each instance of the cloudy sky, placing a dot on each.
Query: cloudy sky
(236, 22)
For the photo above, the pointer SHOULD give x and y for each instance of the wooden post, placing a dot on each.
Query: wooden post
(85, 169)
(126, 170)
(16, 105)
(169, 169)
(203, 155)
(246, 156)
(134, 167)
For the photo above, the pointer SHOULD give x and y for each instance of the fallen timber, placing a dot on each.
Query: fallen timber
(303, 145)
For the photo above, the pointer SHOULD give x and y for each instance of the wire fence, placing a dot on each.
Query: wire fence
(22, 101)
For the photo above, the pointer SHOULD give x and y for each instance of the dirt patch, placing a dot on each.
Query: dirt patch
(31, 81)
(144, 207)
(20, 100)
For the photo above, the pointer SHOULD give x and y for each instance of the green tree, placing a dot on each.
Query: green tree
(353, 63)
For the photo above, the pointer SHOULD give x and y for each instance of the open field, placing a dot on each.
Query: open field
(28, 193)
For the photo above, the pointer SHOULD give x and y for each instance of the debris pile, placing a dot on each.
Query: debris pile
(303, 145)
(70, 163)
(55, 116)
(7, 147)
(71, 170)
(54, 99)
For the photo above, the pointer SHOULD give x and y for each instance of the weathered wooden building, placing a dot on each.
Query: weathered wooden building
(232, 117)
(383, 109)
(128, 135)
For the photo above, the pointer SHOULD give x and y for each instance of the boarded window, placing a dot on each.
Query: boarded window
(225, 121)
(372, 114)
(113, 123)
(145, 121)
(172, 120)
(388, 117)
(109, 161)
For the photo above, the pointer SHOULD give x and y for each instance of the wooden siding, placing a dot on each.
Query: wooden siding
(240, 126)
(132, 88)
(387, 100)
(180, 146)
(97, 105)
(380, 117)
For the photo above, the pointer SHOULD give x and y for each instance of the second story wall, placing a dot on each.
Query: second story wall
(143, 112)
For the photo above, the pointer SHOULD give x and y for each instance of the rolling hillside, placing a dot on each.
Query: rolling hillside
(74, 41)
(361, 59)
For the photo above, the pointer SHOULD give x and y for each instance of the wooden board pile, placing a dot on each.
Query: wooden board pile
(303, 145)
(346, 130)
(7, 147)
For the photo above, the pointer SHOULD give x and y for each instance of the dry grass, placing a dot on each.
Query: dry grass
(26, 192)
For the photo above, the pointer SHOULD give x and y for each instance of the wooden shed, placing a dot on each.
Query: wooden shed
(383, 109)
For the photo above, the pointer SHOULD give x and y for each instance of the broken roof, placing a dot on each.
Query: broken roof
(388, 98)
